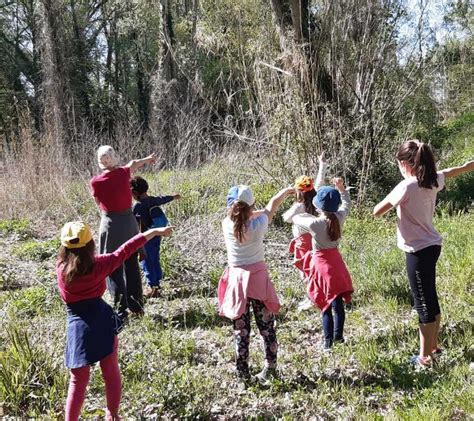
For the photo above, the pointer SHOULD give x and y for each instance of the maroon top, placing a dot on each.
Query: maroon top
(93, 284)
(112, 190)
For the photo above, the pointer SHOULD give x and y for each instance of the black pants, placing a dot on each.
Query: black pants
(125, 285)
(421, 269)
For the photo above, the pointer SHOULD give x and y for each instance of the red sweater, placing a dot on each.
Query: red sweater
(112, 190)
(93, 284)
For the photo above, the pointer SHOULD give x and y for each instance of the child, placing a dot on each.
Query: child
(92, 325)
(329, 282)
(415, 199)
(301, 242)
(149, 214)
(246, 282)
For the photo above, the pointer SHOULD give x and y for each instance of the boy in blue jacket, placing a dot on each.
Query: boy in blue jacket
(149, 215)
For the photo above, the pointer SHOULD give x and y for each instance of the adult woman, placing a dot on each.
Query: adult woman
(111, 191)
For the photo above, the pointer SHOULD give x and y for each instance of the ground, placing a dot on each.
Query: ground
(177, 361)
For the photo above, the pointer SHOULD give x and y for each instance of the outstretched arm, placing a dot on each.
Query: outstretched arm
(276, 201)
(382, 208)
(455, 171)
(136, 164)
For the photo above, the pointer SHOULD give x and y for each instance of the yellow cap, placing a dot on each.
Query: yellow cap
(304, 183)
(75, 235)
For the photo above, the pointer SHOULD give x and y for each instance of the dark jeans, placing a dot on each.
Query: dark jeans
(421, 269)
(266, 326)
(125, 285)
(334, 327)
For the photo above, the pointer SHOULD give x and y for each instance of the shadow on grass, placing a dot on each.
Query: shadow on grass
(192, 318)
(401, 377)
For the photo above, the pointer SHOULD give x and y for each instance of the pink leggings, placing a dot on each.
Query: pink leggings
(113, 386)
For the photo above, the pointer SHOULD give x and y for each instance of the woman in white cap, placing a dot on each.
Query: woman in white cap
(111, 191)
(246, 282)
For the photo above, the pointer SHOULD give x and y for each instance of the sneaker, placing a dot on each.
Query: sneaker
(421, 362)
(266, 375)
(327, 345)
(438, 351)
(304, 305)
(152, 292)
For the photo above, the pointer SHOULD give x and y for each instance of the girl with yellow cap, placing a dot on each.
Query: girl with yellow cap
(92, 325)
(301, 243)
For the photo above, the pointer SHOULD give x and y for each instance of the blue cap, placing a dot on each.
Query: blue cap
(327, 199)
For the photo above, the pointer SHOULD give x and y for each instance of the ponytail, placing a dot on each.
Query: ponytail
(419, 156)
(333, 226)
(239, 214)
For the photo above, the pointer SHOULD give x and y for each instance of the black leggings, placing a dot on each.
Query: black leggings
(421, 269)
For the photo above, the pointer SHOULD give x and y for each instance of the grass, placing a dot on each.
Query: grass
(177, 361)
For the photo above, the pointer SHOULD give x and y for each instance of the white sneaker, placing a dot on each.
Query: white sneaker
(304, 305)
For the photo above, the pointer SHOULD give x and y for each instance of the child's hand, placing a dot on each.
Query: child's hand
(321, 158)
(338, 183)
(151, 159)
(176, 196)
(289, 191)
(165, 232)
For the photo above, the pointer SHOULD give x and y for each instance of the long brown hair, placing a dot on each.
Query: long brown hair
(239, 214)
(77, 262)
(420, 157)
(307, 199)
(333, 227)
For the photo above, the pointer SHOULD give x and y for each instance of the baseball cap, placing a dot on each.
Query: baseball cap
(327, 199)
(75, 235)
(242, 193)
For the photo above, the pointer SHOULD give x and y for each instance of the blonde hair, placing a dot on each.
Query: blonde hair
(107, 157)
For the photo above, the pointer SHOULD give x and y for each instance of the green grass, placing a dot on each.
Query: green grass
(177, 361)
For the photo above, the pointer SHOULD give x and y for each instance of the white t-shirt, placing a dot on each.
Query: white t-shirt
(251, 250)
(415, 209)
(317, 225)
(296, 209)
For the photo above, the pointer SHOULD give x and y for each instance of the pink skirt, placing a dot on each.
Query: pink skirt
(239, 283)
(299, 247)
(327, 277)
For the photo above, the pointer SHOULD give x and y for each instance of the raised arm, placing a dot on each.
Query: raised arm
(136, 164)
(321, 172)
(276, 201)
(455, 171)
(345, 198)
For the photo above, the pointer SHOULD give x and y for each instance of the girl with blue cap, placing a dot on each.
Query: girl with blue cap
(329, 282)
(246, 282)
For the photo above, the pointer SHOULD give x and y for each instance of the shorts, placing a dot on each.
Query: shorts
(421, 269)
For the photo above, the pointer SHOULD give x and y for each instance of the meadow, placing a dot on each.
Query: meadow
(177, 361)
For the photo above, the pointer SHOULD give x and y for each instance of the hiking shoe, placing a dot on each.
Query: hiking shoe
(267, 374)
(304, 305)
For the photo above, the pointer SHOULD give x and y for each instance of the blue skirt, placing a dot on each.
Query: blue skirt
(91, 329)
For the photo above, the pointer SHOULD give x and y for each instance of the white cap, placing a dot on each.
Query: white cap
(242, 193)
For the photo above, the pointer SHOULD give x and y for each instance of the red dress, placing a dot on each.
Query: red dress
(327, 277)
(299, 247)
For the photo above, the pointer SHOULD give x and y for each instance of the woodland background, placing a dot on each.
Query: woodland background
(236, 92)
(195, 79)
